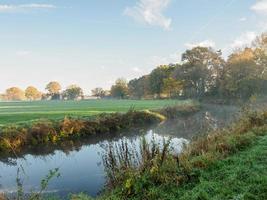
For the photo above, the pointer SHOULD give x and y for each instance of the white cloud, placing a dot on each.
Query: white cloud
(37, 6)
(260, 7)
(150, 12)
(4, 8)
(243, 19)
(205, 43)
(243, 40)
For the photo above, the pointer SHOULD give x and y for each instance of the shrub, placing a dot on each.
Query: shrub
(41, 132)
(172, 112)
(71, 126)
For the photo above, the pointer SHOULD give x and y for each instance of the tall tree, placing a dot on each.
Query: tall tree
(120, 89)
(172, 87)
(15, 94)
(242, 76)
(98, 92)
(73, 92)
(139, 88)
(201, 70)
(157, 76)
(32, 93)
(260, 53)
(53, 89)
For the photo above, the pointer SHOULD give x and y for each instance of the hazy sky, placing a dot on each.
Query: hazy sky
(93, 42)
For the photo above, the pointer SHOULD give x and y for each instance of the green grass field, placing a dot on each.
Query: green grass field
(20, 112)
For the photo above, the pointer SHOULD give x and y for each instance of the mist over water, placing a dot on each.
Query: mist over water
(80, 162)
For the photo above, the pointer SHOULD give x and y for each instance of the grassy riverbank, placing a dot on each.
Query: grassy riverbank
(227, 164)
(15, 137)
(242, 175)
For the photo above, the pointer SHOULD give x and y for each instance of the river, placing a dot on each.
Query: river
(80, 162)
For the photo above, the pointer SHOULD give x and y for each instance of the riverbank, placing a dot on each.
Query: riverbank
(166, 175)
(15, 137)
(240, 176)
(226, 164)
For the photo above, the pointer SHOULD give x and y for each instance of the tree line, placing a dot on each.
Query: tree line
(53, 89)
(202, 72)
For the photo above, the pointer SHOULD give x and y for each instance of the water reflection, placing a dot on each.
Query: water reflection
(80, 162)
(210, 118)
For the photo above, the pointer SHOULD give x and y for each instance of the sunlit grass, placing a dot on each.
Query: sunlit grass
(18, 112)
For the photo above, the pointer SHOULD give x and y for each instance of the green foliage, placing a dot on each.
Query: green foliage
(242, 76)
(81, 196)
(120, 89)
(99, 92)
(204, 73)
(172, 87)
(157, 76)
(139, 88)
(73, 92)
(172, 112)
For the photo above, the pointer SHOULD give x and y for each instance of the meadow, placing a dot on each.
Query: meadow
(27, 111)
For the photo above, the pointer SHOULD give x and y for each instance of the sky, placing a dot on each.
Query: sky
(93, 42)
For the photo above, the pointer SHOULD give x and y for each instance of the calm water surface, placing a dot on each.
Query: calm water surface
(80, 162)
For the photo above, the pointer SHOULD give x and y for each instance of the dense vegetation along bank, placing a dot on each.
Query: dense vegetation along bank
(12, 138)
(226, 164)
(15, 137)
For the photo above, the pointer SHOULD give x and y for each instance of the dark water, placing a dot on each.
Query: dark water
(80, 162)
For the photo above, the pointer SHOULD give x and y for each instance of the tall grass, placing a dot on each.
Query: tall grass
(130, 174)
(125, 157)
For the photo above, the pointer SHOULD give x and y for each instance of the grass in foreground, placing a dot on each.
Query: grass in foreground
(228, 164)
(242, 176)
(21, 112)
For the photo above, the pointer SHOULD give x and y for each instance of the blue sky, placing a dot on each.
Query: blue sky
(93, 42)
